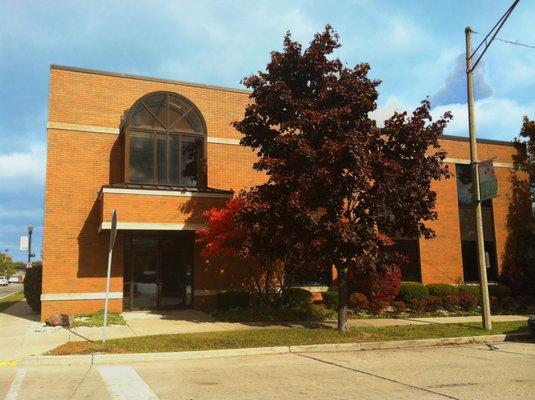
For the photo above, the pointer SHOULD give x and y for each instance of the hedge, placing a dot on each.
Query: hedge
(499, 291)
(298, 299)
(409, 291)
(33, 284)
(474, 289)
(232, 299)
(441, 289)
(330, 299)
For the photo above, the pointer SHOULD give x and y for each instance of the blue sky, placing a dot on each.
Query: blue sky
(415, 47)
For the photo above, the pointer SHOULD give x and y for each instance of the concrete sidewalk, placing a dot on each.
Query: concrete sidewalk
(23, 335)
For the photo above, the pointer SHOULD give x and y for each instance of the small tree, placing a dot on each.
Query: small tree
(519, 261)
(7, 267)
(350, 184)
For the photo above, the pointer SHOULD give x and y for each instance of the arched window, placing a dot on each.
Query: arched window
(165, 141)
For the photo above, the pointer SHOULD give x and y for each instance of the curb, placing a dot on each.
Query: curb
(100, 359)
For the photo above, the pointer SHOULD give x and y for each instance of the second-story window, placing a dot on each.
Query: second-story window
(165, 142)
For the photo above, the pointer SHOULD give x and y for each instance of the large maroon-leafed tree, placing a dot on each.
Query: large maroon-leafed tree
(350, 183)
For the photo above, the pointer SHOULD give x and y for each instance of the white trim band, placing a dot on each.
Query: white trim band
(465, 161)
(64, 126)
(213, 292)
(151, 226)
(165, 193)
(79, 296)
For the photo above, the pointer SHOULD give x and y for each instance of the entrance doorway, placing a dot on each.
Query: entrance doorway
(158, 271)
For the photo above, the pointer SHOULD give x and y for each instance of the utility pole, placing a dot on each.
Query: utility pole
(480, 241)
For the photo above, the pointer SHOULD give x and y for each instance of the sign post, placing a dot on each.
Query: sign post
(113, 233)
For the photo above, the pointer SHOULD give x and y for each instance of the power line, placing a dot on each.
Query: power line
(516, 43)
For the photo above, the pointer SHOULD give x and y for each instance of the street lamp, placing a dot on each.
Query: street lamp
(30, 255)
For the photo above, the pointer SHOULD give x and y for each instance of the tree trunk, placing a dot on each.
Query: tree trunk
(342, 299)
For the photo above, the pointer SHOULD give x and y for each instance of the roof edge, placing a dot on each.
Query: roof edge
(148, 78)
(482, 140)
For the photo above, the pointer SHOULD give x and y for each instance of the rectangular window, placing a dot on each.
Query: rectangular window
(467, 221)
(161, 158)
(410, 248)
(174, 144)
(191, 160)
(141, 157)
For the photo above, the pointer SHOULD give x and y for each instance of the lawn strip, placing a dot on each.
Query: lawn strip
(283, 337)
(10, 300)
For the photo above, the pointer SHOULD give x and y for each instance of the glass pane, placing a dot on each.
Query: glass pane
(183, 117)
(156, 104)
(172, 275)
(145, 265)
(161, 158)
(141, 157)
(191, 163)
(411, 268)
(173, 159)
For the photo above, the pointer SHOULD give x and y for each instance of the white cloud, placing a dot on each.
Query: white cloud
(383, 113)
(30, 164)
(496, 118)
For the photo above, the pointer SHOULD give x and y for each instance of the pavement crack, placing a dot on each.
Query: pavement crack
(376, 376)
(82, 380)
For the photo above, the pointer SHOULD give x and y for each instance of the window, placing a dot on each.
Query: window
(467, 221)
(410, 248)
(165, 142)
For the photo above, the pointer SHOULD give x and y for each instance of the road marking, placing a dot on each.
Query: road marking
(124, 383)
(14, 389)
(9, 363)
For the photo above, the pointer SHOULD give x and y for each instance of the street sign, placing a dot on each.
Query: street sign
(24, 243)
(113, 231)
(488, 183)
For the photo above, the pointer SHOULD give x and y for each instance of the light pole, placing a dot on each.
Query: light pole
(30, 255)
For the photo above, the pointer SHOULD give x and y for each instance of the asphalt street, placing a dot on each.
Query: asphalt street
(453, 372)
(9, 289)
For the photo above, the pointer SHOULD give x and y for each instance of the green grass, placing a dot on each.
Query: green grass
(8, 301)
(318, 312)
(97, 319)
(282, 337)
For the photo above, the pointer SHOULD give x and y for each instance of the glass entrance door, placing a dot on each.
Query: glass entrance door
(145, 278)
(158, 271)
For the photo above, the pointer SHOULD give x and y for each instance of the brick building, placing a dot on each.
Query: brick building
(161, 152)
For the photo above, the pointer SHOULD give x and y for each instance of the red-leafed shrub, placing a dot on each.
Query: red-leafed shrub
(432, 303)
(418, 305)
(398, 306)
(359, 302)
(495, 304)
(376, 306)
(467, 301)
(376, 286)
(451, 302)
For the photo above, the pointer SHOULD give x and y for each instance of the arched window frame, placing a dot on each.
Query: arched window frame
(127, 128)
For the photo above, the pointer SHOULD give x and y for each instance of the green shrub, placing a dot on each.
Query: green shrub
(359, 302)
(474, 289)
(232, 299)
(499, 291)
(299, 300)
(33, 283)
(441, 289)
(409, 291)
(510, 305)
(330, 299)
